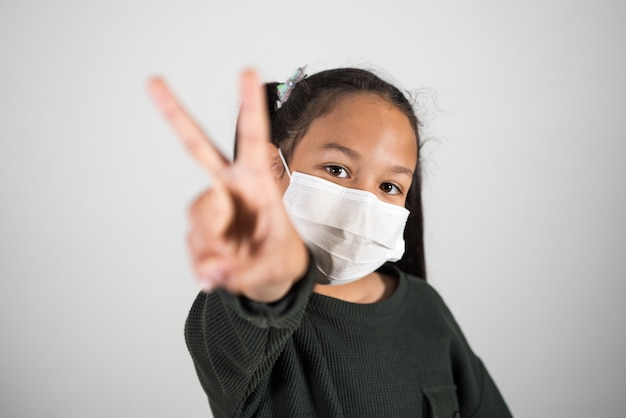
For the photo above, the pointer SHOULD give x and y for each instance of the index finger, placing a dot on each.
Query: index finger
(253, 132)
(195, 140)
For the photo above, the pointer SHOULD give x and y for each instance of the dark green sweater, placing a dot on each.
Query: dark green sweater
(314, 356)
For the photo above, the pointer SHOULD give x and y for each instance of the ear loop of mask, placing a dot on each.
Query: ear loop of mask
(282, 158)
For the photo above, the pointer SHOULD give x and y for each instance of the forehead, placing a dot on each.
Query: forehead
(367, 123)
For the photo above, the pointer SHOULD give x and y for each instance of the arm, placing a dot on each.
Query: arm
(477, 393)
(235, 341)
(243, 248)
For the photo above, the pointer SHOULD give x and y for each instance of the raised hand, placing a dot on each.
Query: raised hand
(240, 236)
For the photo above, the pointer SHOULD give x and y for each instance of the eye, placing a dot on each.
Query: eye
(336, 171)
(390, 188)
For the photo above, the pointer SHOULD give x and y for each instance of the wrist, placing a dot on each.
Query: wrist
(292, 270)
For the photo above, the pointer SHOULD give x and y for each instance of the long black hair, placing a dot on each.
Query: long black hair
(317, 95)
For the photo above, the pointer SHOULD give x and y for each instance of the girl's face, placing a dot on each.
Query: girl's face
(365, 143)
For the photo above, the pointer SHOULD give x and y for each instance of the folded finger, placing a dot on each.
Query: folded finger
(212, 273)
(211, 215)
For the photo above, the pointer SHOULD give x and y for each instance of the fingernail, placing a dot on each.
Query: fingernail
(211, 279)
(206, 286)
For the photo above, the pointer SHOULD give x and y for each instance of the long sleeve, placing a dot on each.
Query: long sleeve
(491, 403)
(310, 355)
(234, 343)
(477, 393)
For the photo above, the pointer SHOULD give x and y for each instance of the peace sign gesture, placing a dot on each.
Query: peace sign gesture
(240, 236)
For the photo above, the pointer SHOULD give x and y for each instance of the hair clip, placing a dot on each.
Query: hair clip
(284, 90)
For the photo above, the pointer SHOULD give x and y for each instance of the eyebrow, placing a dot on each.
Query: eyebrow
(402, 170)
(345, 150)
(356, 156)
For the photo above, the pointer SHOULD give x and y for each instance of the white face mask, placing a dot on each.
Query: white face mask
(349, 231)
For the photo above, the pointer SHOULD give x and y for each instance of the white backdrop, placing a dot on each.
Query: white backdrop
(525, 194)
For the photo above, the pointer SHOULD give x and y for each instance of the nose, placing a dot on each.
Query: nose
(368, 184)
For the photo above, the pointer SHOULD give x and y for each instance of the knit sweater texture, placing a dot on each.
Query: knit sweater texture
(310, 355)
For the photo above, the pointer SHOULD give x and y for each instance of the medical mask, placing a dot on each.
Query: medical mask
(350, 232)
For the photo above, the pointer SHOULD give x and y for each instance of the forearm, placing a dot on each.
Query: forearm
(234, 341)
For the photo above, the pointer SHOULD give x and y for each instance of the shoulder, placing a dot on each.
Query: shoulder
(413, 290)
(422, 299)
(419, 289)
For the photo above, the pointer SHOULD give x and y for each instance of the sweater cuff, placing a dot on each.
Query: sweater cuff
(284, 313)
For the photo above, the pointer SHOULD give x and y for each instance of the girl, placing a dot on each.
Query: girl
(311, 305)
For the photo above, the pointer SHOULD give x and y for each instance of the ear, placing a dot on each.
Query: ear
(278, 170)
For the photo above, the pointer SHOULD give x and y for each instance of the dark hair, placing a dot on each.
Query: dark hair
(316, 96)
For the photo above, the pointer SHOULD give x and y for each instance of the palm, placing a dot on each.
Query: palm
(240, 236)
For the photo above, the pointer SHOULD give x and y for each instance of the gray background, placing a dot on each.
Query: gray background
(524, 193)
